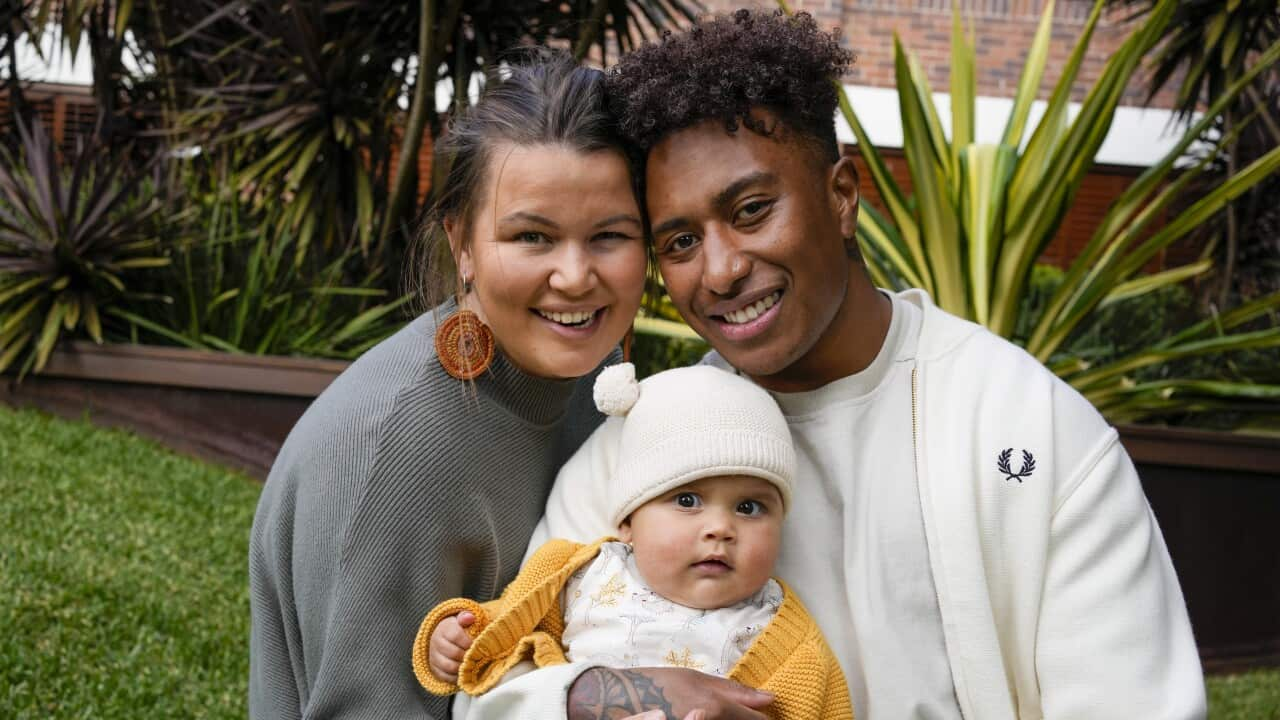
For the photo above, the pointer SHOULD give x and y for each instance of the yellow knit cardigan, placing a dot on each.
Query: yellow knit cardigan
(789, 658)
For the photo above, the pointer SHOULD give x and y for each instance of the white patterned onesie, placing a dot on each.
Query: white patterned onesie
(613, 618)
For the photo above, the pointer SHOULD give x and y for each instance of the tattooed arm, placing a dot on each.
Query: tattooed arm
(611, 694)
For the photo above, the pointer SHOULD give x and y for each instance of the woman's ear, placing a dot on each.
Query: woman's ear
(459, 249)
(844, 194)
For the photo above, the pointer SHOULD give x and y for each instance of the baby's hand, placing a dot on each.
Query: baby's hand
(449, 643)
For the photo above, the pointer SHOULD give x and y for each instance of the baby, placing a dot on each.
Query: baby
(702, 483)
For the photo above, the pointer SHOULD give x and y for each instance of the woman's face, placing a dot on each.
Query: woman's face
(556, 256)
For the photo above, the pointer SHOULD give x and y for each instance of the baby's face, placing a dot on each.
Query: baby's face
(710, 543)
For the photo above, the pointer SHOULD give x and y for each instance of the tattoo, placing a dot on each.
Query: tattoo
(608, 694)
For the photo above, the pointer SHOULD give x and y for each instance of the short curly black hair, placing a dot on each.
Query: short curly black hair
(724, 66)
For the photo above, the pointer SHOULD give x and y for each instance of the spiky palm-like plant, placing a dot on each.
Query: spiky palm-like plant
(983, 213)
(68, 242)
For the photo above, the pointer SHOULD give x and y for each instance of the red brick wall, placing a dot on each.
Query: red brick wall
(1002, 30)
(424, 165)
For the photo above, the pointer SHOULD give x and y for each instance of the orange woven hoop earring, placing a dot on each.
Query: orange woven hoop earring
(464, 345)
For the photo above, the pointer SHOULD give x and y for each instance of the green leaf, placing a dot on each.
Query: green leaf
(222, 298)
(123, 11)
(1260, 339)
(17, 316)
(365, 320)
(12, 350)
(48, 335)
(71, 315)
(1029, 82)
(92, 323)
(963, 84)
(938, 222)
(879, 238)
(932, 123)
(302, 163)
(1149, 283)
(20, 288)
(218, 343)
(348, 291)
(282, 153)
(985, 173)
(889, 192)
(1218, 322)
(364, 210)
(144, 262)
(158, 329)
(1162, 397)
(112, 280)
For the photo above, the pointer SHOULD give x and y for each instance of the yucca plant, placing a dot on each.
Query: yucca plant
(983, 213)
(68, 241)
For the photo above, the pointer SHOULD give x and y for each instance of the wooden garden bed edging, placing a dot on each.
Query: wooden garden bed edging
(233, 409)
(1217, 498)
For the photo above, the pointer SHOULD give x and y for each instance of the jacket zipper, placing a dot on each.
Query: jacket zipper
(915, 434)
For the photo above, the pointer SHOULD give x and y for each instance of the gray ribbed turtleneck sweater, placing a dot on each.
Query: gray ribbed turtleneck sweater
(399, 488)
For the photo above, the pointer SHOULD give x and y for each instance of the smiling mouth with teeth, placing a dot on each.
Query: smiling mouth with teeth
(752, 311)
(569, 319)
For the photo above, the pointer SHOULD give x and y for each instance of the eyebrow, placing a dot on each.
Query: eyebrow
(548, 222)
(530, 217)
(721, 199)
(775, 496)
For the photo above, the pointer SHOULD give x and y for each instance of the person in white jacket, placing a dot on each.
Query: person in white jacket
(967, 530)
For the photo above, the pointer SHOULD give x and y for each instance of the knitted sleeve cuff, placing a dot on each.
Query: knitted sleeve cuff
(422, 643)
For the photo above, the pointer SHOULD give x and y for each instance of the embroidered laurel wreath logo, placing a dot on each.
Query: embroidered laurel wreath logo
(1028, 465)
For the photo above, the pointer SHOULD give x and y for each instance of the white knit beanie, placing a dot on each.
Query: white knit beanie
(687, 424)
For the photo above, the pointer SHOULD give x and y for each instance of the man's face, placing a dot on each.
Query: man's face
(749, 232)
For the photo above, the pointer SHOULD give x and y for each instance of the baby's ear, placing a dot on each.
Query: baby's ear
(624, 531)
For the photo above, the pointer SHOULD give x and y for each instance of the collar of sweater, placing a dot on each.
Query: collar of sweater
(536, 400)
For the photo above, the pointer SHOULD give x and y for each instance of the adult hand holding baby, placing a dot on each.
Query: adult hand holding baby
(663, 693)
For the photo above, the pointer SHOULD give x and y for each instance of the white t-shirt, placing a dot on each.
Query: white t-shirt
(613, 618)
(862, 546)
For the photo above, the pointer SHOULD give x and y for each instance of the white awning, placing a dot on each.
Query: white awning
(1138, 136)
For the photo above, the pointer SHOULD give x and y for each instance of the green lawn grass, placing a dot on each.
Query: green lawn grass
(125, 589)
(1251, 696)
(123, 568)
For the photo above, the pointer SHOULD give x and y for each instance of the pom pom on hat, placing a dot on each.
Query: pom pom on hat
(616, 389)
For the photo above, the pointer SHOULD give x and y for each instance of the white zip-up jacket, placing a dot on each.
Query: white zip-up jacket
(1058, 600)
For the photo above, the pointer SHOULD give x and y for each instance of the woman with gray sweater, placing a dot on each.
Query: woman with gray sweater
(421, 472)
